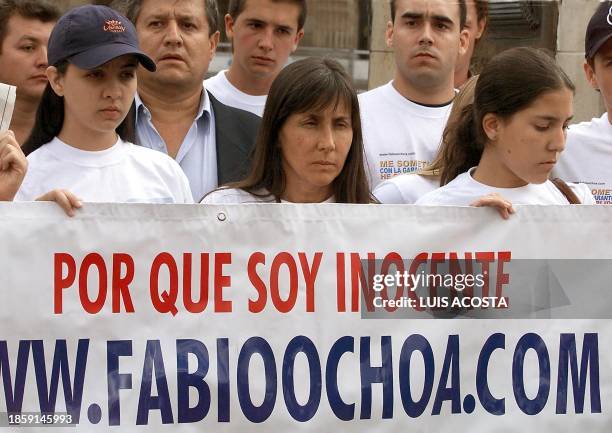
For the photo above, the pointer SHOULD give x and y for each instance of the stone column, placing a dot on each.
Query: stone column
(574, 16)
(382, 64)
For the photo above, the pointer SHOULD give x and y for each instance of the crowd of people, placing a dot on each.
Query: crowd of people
(113, 106)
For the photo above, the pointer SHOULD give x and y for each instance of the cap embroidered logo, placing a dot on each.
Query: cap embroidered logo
(114, 26)
(610, 16)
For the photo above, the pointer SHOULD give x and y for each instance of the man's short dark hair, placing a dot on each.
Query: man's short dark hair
(131, 9)
(237, 6)
(482, 9)
(41, 10)
(462, 12)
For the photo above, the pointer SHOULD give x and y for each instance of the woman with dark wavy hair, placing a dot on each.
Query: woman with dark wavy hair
(309, 148)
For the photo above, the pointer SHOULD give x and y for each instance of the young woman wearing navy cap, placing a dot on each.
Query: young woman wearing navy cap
(76, 144)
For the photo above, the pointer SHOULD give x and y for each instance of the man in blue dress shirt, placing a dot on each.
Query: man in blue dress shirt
(173, 112)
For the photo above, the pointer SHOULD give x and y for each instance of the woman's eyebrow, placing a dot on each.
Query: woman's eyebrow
(547, 117)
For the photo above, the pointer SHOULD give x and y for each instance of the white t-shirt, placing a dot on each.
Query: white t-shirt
(588, 157)
(227, 94)
(405, 189)
(120, 174)
(399, 136)
(464, 190)
(240, 196)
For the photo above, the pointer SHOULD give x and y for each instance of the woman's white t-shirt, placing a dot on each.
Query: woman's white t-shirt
(405, 188)
(124, 173)
(464, 190)
(240, 196)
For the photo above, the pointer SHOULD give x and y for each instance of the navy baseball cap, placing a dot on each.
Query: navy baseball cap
(599, 29)
(91, 35)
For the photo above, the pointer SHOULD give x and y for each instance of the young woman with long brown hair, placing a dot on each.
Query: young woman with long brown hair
(515, 129)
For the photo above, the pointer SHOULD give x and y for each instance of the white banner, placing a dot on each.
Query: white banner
(247, 319)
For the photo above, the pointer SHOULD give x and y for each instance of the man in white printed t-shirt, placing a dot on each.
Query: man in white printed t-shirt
(588, 153)
(403, 120)
(264, 33)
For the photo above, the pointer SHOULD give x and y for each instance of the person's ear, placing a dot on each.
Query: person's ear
(298, 37)
(389, 34)
(229, 26)
(491, 125)
(213, 42)
(481, 25)
(56, 80)
(589, 72)
(464, 42)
